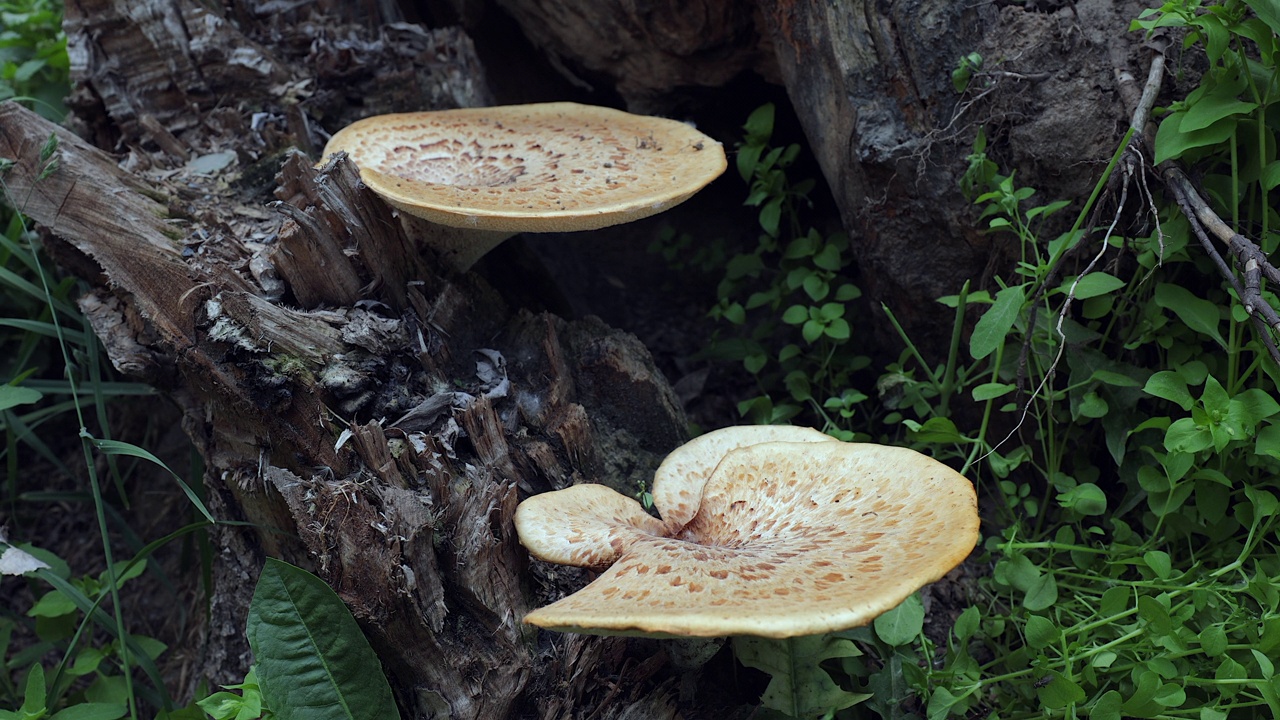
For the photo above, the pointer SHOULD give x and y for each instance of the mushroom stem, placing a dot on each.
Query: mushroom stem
(457, 248)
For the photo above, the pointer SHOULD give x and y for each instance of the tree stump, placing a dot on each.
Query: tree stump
(341, 387)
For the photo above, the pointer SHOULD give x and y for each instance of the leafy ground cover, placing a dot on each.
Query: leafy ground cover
(1112, 403)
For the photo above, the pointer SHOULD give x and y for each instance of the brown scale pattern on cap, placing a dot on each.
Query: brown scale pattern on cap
(583, 525)
(790, 539)
(530, 168)
(678, 482)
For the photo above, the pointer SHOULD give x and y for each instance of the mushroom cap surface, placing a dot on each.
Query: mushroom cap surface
(678, 482)
(789, 539)
(548, 167)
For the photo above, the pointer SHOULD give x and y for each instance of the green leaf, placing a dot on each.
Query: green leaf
(1093, 285)
(1219, 103)
(1213, 641)
(12, 396)
(967, 624)
(1196, 313)
(829, 258)
(1107, 707)
(313, 662)
(1171, 142)
(1042, 594)
(1270, 175)
(934, 430)
(990, 331)
(33, 699)
(1268, 441)
(795, 315)
(991, 391)
(115, 447)
(1085, 498)
(1268, 11)
(759, 125)
(1060, 692)
(92, 711)
(800, 687)
(1169, 385)
(1115, 379)
(771, 216)
(903, 624)
(1041, 632)
(1159, 562)
(54, 603)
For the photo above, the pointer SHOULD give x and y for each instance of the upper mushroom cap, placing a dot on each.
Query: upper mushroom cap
(789, 539)
(551, 167)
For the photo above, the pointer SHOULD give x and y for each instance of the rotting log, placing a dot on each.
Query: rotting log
(391, 440)
(870, 81)
(385, 415)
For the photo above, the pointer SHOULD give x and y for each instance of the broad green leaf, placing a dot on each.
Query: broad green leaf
(1195, 312)
(1169, 385)
(934, 430)
(1060, 692)
(795, 315)
(1265, 664)
(967, 624)
(1184, 436)
(1268, 441)
(1107, 707)
(53, 603)
(1270, 175)
(1085, 498)
(12, 396)
(1268, 11)
(91, 711)
(1255, 405)
(800, 687)
(1092, 405)
(1093, 285)
(991, 391)
(1221, 102)
(313, 662)
(994, 325)
(1042, 594)
(1172, 142)
(901, 625)
(1159, 562)
(940, 703)
(1115, 379)
(1213, 641)
(1041, 632)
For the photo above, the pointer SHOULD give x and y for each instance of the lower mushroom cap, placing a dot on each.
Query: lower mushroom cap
(789, 540)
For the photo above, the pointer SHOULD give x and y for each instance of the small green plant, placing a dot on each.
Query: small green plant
(33, 55)
(1112, 402)
(788, 300)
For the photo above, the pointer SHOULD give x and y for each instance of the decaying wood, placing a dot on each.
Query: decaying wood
(407, 512)
(870, 81)
(385, 416)
(646, 48)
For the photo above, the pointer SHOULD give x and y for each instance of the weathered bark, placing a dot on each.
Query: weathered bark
(339, 386)
(646, 48)
(871, 83)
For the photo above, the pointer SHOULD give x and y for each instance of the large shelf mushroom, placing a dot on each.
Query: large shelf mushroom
(770, 532)
(480, 175)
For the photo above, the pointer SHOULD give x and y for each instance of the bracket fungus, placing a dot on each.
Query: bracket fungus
(773, 532)
(480, 175)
